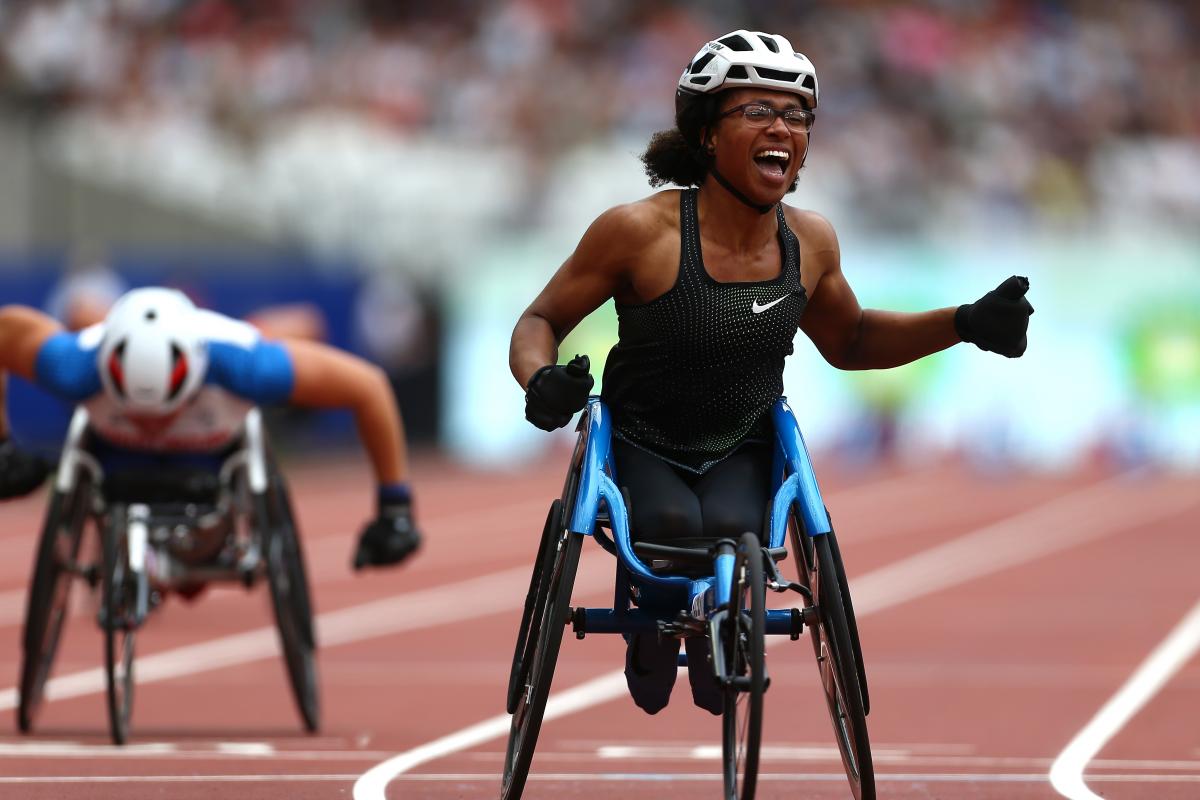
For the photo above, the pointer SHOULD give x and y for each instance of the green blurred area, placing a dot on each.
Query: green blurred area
(1162, 350)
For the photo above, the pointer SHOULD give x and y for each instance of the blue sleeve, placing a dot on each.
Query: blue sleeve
(261, 373)
(66, 368)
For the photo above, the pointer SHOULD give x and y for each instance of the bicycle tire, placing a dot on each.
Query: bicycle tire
(534, 598)
(119, 604)
(744, 648)
(531, 702)
(835, 653)
(287, 580)
(49, 591)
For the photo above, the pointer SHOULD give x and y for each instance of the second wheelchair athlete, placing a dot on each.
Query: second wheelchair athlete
(164, 380)
(711, 283)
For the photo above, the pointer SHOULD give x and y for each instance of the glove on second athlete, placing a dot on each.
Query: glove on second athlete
(20, 472)
(392, 536)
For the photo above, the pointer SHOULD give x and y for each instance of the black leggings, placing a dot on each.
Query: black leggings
(667, 503)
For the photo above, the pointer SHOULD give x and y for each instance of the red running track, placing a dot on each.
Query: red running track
(998, 615)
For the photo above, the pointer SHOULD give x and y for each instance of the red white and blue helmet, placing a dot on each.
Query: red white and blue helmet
(152, 357)
(747, 58)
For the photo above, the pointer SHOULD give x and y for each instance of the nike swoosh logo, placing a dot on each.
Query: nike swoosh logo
(757, 309)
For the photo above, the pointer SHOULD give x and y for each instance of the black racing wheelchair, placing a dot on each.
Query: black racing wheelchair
(158, 532)
(717, 592)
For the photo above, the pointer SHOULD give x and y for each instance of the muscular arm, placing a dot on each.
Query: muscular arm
(592, 274)
(23, 331)
(325, 377)
(851, 337)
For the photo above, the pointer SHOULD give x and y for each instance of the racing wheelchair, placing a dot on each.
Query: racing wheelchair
(159, 532)
(716, 592)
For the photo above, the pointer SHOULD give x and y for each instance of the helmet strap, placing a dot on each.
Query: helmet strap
(733, 190)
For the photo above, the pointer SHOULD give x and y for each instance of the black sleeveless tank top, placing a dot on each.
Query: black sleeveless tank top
(695, 371)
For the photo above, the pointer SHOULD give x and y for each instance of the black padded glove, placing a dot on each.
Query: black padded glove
(999, 320)
(20, 472)
(555, 393)
(389, 538)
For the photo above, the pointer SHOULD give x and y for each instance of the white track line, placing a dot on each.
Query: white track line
(405, 612)
(593, 777)
(321, 554)
(1066, 774)
(1084, 515)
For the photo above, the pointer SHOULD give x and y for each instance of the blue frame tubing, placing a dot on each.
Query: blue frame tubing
(794, 485)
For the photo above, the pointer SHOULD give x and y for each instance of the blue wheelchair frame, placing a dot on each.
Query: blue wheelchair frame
(794, 486)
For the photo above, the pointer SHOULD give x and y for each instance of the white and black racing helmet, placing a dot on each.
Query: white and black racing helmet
(152, 358)
(749, 58)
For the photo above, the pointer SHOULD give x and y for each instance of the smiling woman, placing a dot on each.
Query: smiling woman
(711, 282)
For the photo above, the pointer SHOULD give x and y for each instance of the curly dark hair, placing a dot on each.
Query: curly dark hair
(678, 156)
(670, 159)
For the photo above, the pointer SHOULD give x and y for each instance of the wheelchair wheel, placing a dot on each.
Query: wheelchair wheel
(120, 618)
(290, 597)
(49, 590)
(743, 644)
(548, 618)
(836, 658)
(852, 620)
(535, 598)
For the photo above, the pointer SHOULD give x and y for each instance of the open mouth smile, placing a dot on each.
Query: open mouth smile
(772, 163)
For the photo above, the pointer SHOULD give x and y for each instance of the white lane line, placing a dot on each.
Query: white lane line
(591, 777)
(1090, 513)
(322, 553)
(1066, 774)
(596, 691)
(405, 612)
(168, 751)
(1098, 510)
(175, 779)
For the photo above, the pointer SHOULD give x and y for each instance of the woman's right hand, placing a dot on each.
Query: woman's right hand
(556, 392)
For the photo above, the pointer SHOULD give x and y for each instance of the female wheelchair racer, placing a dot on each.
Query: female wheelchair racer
(711, 283)
(163, 381)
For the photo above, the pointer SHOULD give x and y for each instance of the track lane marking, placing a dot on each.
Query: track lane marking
(1066, 773)
(319, 550)
(391, 615)
(594, 777)
(1094, 511)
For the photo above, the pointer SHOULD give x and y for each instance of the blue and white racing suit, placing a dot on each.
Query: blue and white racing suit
(243, 370)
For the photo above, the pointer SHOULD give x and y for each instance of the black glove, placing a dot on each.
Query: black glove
(998, 321)
(389, 538)
(555, 393)
(20, 472)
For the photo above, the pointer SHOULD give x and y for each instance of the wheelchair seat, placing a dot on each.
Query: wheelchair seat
(168, 487)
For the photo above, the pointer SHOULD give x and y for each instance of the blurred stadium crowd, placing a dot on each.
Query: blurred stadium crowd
(1060, 112)
(452, 152)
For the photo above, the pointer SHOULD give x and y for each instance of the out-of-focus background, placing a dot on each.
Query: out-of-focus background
(401, 178)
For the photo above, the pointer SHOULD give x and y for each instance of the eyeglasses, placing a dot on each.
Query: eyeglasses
(758, 115)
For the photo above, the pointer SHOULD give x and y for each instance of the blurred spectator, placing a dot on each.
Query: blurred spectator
(89, 287)
(396, 327)
(86, 290)
(998, 112)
